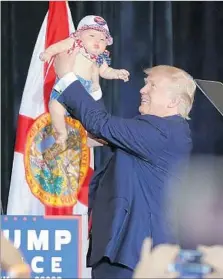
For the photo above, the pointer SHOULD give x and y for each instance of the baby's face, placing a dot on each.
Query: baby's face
(94, 41)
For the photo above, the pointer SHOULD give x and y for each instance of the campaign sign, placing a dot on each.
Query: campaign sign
(51, 245)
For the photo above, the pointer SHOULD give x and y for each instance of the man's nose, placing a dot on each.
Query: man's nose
(142, 90)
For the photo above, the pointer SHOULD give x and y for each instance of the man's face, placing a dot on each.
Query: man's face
(155, 96)
(94, 41)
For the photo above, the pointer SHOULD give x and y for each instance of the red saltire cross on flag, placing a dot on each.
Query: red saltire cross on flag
(56, 26)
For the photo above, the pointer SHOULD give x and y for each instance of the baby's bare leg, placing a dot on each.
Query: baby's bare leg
(57, 112)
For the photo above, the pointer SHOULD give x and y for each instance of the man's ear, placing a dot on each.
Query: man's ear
(174, 102)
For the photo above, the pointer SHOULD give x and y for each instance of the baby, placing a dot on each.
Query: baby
(92, 61)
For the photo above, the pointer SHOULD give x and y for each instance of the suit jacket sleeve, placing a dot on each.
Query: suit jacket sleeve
(137, 136)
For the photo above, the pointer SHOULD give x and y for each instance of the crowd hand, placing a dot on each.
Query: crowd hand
(154, 263)
(45, 57)
(123, 74)
(19, 271)
(213, 256)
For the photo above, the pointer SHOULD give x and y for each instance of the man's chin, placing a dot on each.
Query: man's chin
(142, 109)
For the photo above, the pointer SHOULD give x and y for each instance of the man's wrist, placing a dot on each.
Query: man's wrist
(65, 81)
(96, 95)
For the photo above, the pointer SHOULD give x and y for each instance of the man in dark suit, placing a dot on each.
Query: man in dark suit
(130, 199)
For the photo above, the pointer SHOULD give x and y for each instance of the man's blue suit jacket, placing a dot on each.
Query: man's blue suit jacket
(129, 203)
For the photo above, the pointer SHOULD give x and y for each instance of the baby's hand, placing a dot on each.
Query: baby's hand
(45, 57)
(122, 74)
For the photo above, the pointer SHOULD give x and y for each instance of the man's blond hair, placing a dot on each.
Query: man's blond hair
(182, 85)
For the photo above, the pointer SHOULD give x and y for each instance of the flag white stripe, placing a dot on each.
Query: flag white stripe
(33, 99)
(70, 21)
(21, 200)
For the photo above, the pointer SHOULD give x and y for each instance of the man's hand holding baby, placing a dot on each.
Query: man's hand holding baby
(64, 62)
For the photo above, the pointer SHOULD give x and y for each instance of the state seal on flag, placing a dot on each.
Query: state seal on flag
(56, 182)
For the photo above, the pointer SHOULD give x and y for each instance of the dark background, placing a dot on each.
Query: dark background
(183, 34)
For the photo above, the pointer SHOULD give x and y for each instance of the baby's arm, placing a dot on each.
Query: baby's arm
(110, 73)
(57, 113)
(56, 48)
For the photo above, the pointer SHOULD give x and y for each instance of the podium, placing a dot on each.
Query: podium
(53, 246)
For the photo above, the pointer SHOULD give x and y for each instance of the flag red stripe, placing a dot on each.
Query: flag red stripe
(57, 30)
(83, 194)
(50, 210)
(23, 125)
